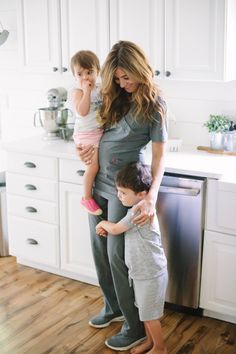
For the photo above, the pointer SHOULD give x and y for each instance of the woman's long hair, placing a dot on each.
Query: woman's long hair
(145, 101)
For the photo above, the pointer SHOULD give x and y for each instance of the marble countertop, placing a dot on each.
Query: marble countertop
(187, 161)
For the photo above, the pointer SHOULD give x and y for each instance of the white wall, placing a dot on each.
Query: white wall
(191, 103)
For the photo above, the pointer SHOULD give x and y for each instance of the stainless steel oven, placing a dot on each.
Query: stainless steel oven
(180, 210)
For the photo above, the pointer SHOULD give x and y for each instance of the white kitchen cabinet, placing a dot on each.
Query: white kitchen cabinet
(184, 39)
(218, 289)
(199, 39)
(51, 31)
(34, 243)
(32, 205)
(48, 228)
(84, 25)
(142, 22)
(218, 286)
(221, 206)
(76, 254)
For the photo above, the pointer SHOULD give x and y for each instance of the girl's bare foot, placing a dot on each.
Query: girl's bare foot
(142, 348)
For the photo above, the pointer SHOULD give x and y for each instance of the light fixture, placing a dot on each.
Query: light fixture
(3, 35)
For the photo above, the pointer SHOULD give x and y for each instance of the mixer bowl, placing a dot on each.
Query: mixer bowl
(48, 118)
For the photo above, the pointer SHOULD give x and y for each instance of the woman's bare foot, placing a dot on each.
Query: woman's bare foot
(142, 348)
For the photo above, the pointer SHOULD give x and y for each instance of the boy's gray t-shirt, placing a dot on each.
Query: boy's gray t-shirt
(124, 143)
(144, 254)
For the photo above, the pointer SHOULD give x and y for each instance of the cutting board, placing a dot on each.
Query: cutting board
(213, 151)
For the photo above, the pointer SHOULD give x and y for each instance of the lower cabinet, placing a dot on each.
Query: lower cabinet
(76, 254)
(218, 287)
(34, 241)
(48, 228)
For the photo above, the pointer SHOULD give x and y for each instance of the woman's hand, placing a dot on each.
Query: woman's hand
(85, 152)
(145, 209)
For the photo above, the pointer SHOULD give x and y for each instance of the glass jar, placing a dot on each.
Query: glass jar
(216, 140)
(228, 141)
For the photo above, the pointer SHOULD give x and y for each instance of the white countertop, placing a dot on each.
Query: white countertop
(189, 162)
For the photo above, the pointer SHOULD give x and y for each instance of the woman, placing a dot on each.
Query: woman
(132, 114)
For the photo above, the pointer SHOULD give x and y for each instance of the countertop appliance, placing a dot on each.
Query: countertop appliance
(180, 210)
(53, 118)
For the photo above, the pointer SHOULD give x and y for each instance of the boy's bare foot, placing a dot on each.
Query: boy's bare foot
(142, 348)
(157, 351)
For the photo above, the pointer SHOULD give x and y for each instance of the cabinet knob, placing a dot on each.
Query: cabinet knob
(64, 69)
(157, 72)
(54, 69)
(32, 241)
(31, 209)
(29, 164)
(30, 187)
(80, 172)
(168, 73)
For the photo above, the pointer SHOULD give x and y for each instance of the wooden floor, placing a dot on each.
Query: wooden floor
(42, 313)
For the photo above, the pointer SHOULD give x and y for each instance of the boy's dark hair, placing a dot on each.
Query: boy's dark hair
(86, 59)
(135, 176)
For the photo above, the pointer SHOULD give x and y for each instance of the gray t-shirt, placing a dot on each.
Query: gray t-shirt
(124, 143)
(144, 254)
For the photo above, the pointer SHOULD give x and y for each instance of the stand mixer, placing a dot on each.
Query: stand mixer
(53, 119)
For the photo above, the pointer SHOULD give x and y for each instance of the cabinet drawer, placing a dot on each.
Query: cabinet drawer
(71, 171)
(221, 206)
(32, 209)
(32, 165)
(32, 187)
(34, 240)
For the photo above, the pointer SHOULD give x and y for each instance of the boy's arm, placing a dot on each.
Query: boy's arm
(112, 228)
(81, 101)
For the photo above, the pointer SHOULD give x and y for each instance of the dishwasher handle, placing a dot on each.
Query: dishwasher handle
(179, 190)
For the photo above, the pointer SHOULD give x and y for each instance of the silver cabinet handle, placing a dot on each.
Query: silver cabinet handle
(157, 72)
(32, 241)
(168, 73)
(80, 172)
(30, 187)
(31, 209)
(64, 69)
(29, 164)
(54, 69)
(177, 190)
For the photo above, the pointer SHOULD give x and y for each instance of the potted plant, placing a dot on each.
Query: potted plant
(217, 125)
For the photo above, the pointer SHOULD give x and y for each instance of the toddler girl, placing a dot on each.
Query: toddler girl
(86, 100)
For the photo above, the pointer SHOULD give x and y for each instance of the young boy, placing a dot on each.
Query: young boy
(144, 255)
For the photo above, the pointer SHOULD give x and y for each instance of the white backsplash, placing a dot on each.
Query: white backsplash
(189, 105)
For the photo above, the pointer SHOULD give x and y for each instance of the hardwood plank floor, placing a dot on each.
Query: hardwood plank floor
(42, 313)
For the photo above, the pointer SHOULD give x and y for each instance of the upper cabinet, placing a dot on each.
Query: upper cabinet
(142, 22)
(51, 31)
(84, 25)
(184, 39)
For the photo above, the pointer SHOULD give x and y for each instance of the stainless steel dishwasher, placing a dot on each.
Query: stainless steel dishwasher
(180, 210)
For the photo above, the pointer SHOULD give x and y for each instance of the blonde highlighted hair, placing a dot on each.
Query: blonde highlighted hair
(145, 101)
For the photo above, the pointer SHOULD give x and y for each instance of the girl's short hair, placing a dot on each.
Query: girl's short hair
(135, 176)
(85, 59)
